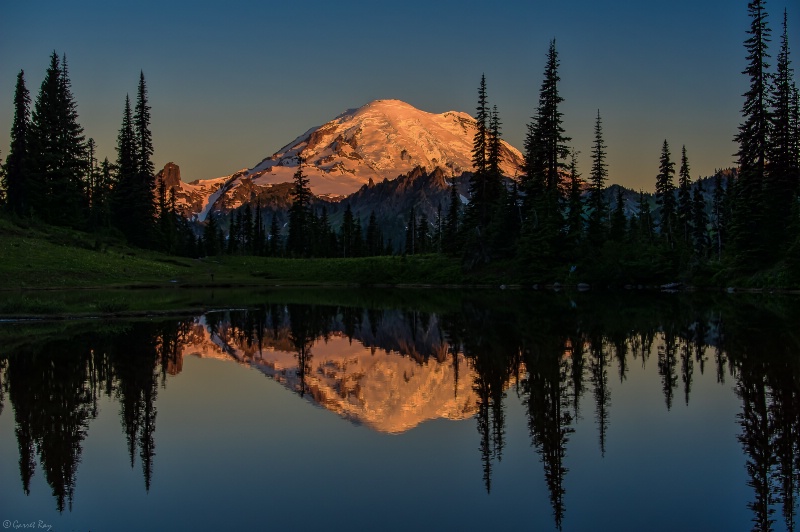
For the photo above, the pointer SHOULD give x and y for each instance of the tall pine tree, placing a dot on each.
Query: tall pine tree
(56, 159)
(484, 186)
(598, 209)
(146, 200)
(782, 173)
(753, 139)
(451, 224)
(718, 217)
(15, 178)
(298, 241)
(125, 196)
(700, 236)
(665, 195)
(685, 205)
(545, 159)
(575, 221)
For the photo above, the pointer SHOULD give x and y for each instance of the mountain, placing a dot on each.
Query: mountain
(376, 142)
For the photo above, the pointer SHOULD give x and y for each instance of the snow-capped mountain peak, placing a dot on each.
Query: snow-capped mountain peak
(381, 140)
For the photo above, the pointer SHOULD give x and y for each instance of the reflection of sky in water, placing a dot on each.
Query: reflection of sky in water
(236, 450)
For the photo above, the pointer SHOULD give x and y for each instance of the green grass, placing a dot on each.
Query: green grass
(39, 256)
(47, 257)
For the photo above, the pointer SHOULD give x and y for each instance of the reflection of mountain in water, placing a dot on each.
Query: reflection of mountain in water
(392, 374)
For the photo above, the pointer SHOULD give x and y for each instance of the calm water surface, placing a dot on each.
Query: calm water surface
(439, 411)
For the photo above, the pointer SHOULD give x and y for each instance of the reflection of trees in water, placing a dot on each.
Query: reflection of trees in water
(306, 325)
(54, 388)
(768, 383)
(546, 392)
(666, 367)
(556, 342)
(53, 405)
(550, 351)
(598, 371)
(757, 439)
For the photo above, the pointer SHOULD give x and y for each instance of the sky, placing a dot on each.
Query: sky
(231, 83)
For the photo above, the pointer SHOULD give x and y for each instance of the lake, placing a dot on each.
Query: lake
(398, 410)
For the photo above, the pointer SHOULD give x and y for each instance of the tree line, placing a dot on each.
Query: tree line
(556, 224)
(52, 172)
(551, 224)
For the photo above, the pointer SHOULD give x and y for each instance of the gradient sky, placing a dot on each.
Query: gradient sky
(231, 84)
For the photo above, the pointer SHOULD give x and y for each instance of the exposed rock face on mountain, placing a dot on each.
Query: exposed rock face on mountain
(190, 198)
(376, 142)
(392, 200)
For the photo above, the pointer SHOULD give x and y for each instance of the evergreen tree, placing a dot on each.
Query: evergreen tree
(597, 180)
(700, 224)
(665, 195)
(685, 205)
(481, 141)
(545, 151)
(423, 238)
(411, 234)
(101, 199)
(645, 219)
(15, 178)
(92, 176)
(127, 189)
(373, 243)
(275, 245)
(145, 199)
(211, 243)
(451, 224)
(56, 158)
(348, 232)
(328, 244)
(259, 236)
(72, 203)
(533, 176)
(618, 220)
(782, 173)
(298, 241)
(550, 122)
(437, 236)
(505, 226)
(796, 125)
(234, 233)
(484, 184)
(575, 220)
(494, 157)
(167, 218)
(753, 139)
(718, 218)
(358, 239)
(247, 229)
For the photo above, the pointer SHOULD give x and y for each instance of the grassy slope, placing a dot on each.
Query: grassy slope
(46, 257)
